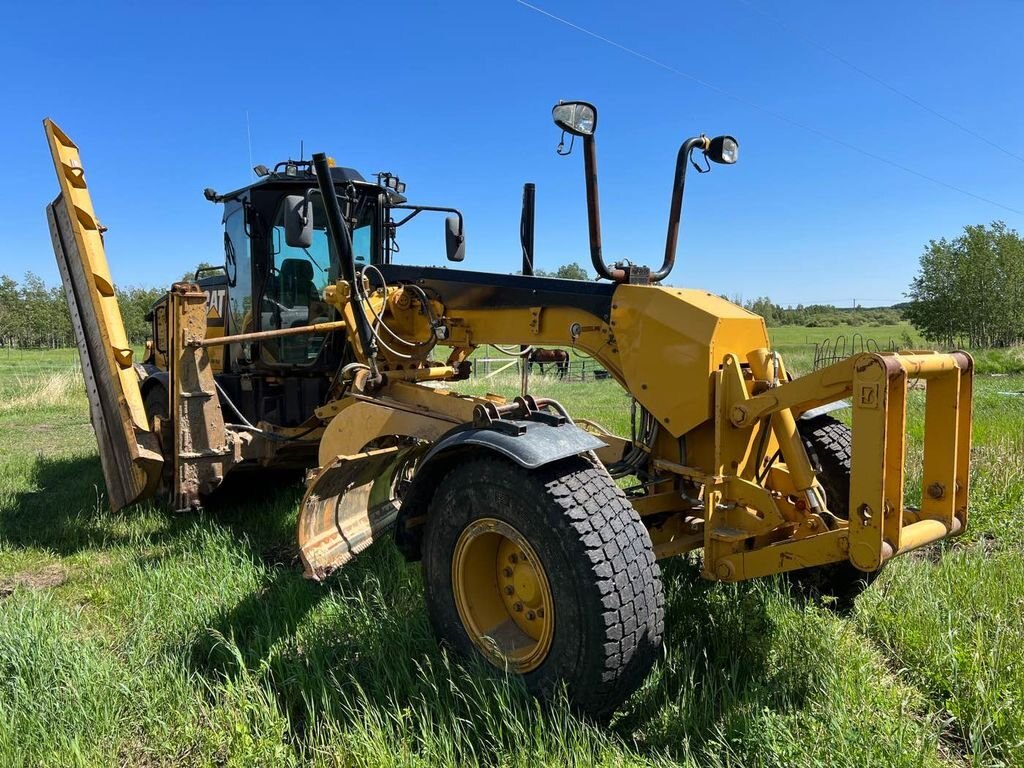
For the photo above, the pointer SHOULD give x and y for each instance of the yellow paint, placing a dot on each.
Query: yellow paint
(216, 354)
(502, 595)
(671, 342)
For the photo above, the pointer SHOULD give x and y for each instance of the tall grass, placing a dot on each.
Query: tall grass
(30, 392)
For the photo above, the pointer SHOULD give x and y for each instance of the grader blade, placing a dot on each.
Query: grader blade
(347, 507)
(129, 451)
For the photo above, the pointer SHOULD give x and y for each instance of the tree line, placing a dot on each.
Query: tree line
(33, 314)
(969, 291)
(822, 315)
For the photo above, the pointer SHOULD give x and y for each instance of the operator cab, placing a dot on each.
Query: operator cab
(279, 259)
(266, 267)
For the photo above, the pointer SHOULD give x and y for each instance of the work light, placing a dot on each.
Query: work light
(723, 149)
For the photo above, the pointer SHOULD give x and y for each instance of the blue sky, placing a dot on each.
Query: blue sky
(455, 97)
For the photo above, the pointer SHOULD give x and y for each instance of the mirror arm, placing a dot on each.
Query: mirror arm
(676, 207)
(594, 214)
(417, 209)
(308, 201)
(410, 217)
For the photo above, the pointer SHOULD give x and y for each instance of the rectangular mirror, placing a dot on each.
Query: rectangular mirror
(454, 239)
(298, 223)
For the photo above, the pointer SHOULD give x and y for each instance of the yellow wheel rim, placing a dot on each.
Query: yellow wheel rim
(502, 595)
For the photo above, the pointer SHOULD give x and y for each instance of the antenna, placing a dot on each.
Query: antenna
(302, 151)
(248, 133)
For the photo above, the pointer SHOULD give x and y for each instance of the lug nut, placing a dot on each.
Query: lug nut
(540, 613)
(531, 615)
(518, 607)
(510, 590)
(507, 572)
(513, 558)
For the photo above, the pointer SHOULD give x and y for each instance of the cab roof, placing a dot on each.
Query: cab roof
(303, 175)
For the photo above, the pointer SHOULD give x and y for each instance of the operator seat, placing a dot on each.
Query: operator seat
(297, 287)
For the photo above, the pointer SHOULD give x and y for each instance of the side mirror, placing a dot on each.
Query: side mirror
(454, 238)
(576, 117)
(298, 222)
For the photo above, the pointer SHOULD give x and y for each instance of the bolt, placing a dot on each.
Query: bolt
(507, 572)
(513, 558)
(510, 590)
(540, 613)
(936, 490)
(518, 607)
(865, 513)
(531, 615)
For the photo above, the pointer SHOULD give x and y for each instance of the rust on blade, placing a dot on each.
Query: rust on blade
(346, 508)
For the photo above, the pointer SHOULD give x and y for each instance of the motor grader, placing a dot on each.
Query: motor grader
(539, 532)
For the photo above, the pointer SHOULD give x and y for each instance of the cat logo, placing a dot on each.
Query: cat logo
(214, 330)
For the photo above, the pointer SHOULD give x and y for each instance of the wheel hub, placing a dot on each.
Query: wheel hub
(502, 595)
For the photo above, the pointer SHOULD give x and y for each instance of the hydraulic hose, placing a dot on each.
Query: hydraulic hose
(342, 239)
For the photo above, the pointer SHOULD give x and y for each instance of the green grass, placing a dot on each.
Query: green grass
(901, 334)
(147, 638)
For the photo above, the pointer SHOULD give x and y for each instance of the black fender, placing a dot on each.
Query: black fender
(530, 444)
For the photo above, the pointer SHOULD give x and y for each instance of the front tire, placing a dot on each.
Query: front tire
(829, 443)
(546, 573)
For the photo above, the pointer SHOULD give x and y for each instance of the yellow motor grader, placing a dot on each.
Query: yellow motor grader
(312, 348)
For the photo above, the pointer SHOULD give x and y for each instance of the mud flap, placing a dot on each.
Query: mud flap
(346, 508)
(129, 452)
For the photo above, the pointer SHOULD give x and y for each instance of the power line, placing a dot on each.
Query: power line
(807, 40)
(770, 112)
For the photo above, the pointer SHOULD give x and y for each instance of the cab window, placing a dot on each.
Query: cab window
(238, 266)
(293, 293)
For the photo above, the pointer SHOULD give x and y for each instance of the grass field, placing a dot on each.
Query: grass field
(901, 334)
(147, 638)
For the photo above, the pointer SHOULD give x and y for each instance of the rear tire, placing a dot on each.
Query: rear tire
(594, 557)
(829, 443)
